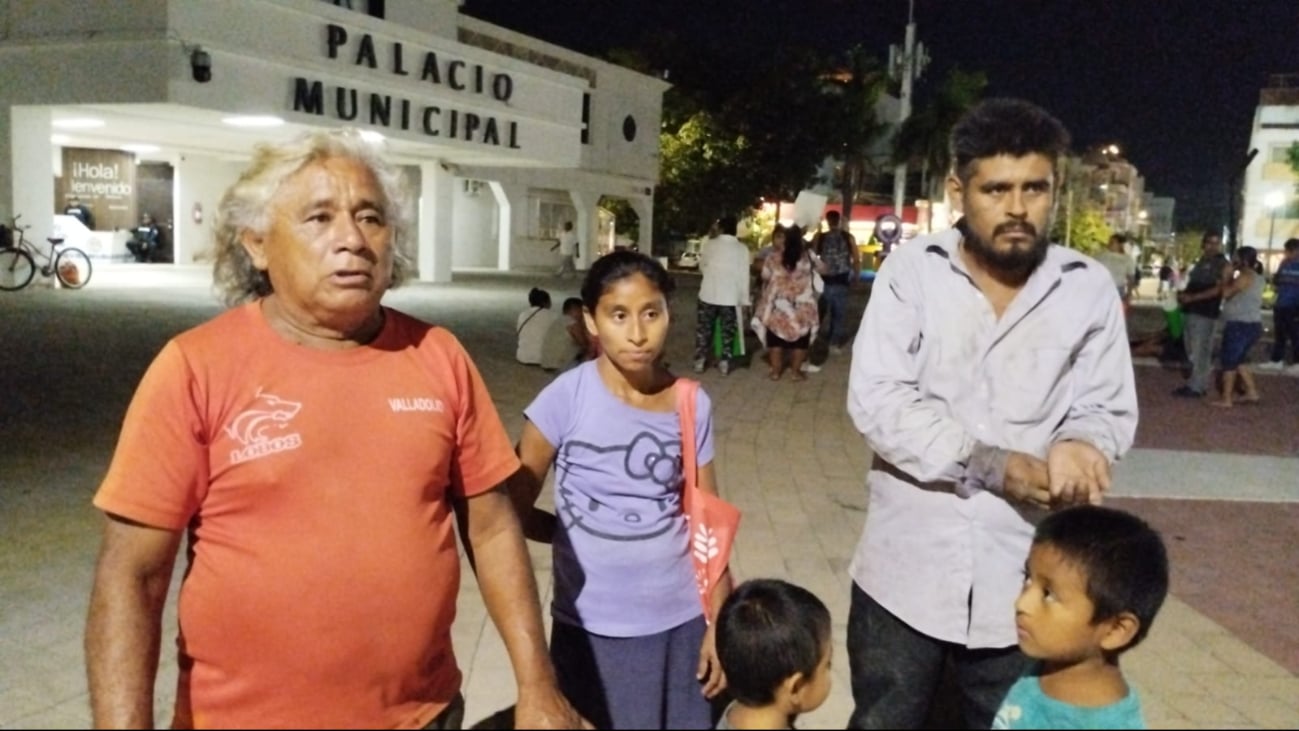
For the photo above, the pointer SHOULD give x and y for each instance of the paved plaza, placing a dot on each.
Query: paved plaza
(1220, 485)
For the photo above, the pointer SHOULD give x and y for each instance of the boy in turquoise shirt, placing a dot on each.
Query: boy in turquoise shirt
(1094, 580)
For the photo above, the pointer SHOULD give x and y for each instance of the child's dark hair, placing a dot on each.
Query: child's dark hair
(572, 303)
(767, 630)
(538, 297)
(1005, 127)
(1122, 557)
(618, 265)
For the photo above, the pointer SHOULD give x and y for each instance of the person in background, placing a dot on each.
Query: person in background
(566, 342)
(992, 379)
(787, 309)
(773, 641)
(567, 247)
(1201, 302)
(1093, 583)
(632, 644)
(723, 290)
(837, 249)
(314, 450)
(1116, 261)
(145, 240)
(1285, 312)
(531, 325)
(1165, 279)
(1242, 311)
(81, 212)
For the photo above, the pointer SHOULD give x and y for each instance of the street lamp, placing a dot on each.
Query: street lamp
(1273, 201)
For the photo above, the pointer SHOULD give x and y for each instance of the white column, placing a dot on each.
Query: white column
(644, 208)
(434, 249)
(6, 166)
(512, 219)
(586, 226)
(31, 172)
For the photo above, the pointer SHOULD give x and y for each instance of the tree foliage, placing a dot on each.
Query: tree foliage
(696, 179)
(923, 140)
(763, 137)
(855, 125)
(1083, 227)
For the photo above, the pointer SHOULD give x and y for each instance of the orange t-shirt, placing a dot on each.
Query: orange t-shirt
(315, 487)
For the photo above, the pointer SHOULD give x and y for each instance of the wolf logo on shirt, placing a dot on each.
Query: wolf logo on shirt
(260, 428)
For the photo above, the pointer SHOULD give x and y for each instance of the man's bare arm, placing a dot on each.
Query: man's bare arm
(124, 625)
(509, 591)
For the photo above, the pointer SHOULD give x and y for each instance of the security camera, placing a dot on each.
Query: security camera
(201, 64)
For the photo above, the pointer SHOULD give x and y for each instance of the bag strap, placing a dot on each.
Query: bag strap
(687, 390)
(525, 322)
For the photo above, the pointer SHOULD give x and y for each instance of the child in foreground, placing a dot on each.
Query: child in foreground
(1094, 580)
(773, 641)
(632, 644)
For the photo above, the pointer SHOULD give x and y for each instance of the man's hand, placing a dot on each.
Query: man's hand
(710, 668)
(1079, 473)
(545, 707)
(1027, 480)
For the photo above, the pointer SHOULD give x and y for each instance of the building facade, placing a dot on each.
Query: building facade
(1270, 213)
(144, 107)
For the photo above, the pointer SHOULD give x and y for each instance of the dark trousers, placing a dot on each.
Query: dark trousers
(897, 672)
(1285, 324)
(704, 316)
(633, 682)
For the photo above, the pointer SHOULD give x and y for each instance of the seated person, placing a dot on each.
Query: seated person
(566, 342)
(1093, 583)
(81, 212)
(773, 642)
(531, 325)
(145, 240)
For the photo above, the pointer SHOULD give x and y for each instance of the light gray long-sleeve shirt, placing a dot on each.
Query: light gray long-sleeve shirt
(935, 373)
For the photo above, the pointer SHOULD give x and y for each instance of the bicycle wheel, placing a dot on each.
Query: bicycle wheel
(72, 267)
(16, 269)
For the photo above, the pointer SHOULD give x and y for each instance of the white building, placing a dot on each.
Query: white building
(503, 136)
(1270, 213)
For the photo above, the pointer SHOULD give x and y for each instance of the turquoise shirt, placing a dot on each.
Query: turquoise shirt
(1026, 706)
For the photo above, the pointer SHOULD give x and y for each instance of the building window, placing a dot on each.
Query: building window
(629, 128)
(586, 119)
(551, 216)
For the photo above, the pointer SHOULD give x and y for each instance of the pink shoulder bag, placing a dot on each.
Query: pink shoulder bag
(712, 521)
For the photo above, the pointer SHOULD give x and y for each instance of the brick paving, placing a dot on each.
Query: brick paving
(1221, 654)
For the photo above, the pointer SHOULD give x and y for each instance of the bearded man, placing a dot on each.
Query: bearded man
(992, 380)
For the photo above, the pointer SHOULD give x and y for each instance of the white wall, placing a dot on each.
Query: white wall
(200, 179)
(475, 228)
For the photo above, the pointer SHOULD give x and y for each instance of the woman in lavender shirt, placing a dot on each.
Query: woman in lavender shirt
(630, 642)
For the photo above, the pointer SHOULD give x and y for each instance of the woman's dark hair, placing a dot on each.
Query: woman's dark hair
(538, 297)
(1005, 127)
(1122, 558)
(793, 247)
(618, 265)
(1249, 257)
(767, 630)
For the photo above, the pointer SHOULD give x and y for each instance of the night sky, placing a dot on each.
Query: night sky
(1174, 83)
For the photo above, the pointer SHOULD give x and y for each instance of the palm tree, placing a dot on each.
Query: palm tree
(923, 140)
(858, 88)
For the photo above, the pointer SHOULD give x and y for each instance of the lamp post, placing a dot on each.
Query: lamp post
(905, 65)
(1273, 201)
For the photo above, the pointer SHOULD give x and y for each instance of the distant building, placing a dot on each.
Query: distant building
(1103, 177)
(1270, 213)
(502, 137)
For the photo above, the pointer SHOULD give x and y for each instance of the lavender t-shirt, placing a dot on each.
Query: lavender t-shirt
(621, 564)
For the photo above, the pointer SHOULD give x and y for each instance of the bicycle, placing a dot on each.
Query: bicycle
(69, 265)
